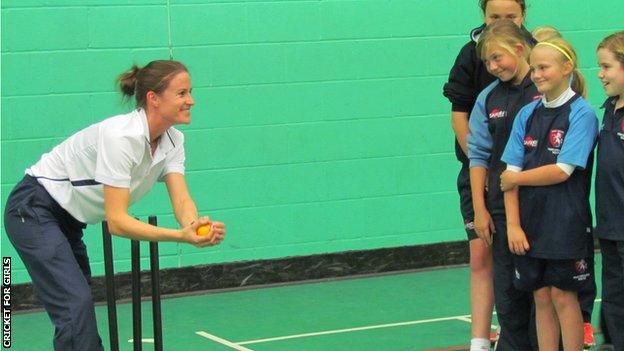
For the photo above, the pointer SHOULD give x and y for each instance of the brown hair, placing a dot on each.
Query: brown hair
(483, 5)
(578, 81)
(615, 44)
(155, 76)
(504, 33)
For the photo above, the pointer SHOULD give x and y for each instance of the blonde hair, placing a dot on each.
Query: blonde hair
(504, 33)
(615, 44)
(543, 33)
(567, 53)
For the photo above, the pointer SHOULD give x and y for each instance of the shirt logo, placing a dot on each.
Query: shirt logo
(581, 266)
(555, 139)
(529, 142)
(497, 113)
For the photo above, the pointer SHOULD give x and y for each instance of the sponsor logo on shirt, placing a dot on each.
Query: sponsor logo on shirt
(555, 140)
(497, 113)
(581, 268)
(529, 142)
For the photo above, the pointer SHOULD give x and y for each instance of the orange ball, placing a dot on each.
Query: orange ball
(203, 230)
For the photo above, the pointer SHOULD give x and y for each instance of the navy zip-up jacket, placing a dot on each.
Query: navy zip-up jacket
(610, 174)
(490, 125)
(555, 218)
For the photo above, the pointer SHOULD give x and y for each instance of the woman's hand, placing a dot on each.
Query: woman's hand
(214, 237)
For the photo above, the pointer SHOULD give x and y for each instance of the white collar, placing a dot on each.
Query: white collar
(562, 99)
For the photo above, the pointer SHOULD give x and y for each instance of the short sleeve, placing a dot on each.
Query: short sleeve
(581, 138)
(514, 150)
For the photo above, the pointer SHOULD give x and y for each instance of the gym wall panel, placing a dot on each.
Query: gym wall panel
(319, 126)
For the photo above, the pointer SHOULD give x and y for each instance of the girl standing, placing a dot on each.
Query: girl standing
(547, 184)
(610, 185)
(467, 78)
(505, 53)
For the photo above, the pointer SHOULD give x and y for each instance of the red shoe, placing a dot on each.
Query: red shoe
(494, 337)
(588, 336)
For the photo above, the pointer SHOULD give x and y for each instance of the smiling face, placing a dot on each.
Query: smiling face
(501, 63)
(175, 102)
(548, 72)
(499, 9)
(611, 73)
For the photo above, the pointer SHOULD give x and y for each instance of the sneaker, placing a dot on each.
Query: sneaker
(588, 336)
(494, 337)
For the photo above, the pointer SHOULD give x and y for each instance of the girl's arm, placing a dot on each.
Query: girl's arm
(516, 238)
(459, 123)
(479, 152)
(484, 225)
(540, 176)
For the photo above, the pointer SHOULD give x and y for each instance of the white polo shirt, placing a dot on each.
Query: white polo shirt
(114, 152)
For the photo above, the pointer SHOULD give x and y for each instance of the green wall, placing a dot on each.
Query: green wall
(319, 126)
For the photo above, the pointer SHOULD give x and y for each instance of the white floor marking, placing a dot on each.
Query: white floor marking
(237, 345)
(145, 341)
(347, 330)
(222, 341)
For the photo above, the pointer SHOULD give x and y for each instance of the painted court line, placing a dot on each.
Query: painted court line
(348, 330)
(469, 320)
(238, 345)
(145, 341)
(222, 341)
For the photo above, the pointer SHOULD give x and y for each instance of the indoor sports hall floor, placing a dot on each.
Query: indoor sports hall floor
(424, 310)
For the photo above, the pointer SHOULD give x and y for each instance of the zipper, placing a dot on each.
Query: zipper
(19, 213)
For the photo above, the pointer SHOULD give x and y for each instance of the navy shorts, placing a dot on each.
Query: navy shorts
(531, 273)
(465, 202)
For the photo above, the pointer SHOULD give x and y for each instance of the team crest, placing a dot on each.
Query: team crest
(555, 138)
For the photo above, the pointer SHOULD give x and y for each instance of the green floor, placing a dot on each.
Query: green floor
(409, 311)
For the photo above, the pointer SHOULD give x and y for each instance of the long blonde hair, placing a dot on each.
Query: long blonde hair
(567, 54)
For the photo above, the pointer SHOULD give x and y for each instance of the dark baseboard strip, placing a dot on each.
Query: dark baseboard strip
(275, 271)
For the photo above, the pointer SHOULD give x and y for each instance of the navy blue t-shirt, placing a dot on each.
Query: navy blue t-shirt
(555, 218)
(610, 174)
(490, 125)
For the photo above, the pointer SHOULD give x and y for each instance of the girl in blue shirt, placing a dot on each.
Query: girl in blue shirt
(547, 184)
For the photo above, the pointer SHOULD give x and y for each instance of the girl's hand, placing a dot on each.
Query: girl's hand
(484, 225)
(508, 180)
(517, 240)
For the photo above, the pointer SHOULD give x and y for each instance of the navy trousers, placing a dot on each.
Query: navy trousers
(49, 242)
(613, 289)
(513, 306)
